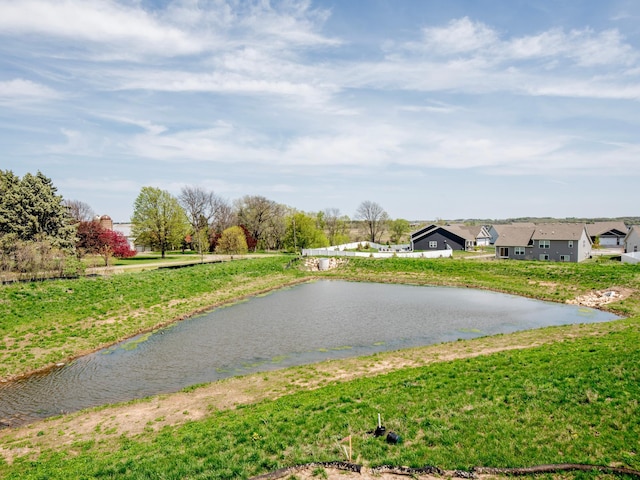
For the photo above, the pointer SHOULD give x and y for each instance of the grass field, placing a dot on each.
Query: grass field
(571, 397)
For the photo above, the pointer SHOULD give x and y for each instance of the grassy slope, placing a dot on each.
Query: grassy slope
(574, 401)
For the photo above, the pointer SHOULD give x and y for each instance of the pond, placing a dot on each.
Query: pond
(299, 325)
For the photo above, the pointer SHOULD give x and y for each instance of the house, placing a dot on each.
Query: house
(607, 234)
(632, 240)
(559, 242)
(445, 237)
(480, 234)
(513, 240)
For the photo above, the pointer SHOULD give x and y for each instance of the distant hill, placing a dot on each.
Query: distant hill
(492, 221)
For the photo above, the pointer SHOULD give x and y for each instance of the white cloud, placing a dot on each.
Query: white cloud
(471, 57)
(220, 82)
(110, 30)
(460, 35)
(148, 126)
(584, 47)
(222, 143)
(105, 23)
(20, 89)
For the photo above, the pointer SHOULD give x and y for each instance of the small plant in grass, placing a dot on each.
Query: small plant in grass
(319, 472)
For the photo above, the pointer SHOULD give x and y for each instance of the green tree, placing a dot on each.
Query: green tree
(398, 228)
(232, 241)
(158, 220)
(31, 209)
(303, 232)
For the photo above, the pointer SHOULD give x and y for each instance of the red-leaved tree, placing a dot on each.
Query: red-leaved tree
(252, 241)
(114, 244)
(88, 238)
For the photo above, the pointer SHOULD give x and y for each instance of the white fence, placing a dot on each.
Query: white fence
(631, 257)
(333, 252)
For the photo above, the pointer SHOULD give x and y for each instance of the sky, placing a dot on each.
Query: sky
(434, 109)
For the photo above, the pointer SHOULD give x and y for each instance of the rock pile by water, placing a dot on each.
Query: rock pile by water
(314, 264)
(597, 298)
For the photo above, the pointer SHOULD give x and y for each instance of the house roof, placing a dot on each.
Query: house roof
(462, 231)
(423, 230)
(458, 230)
(478, 231)
(514, 235)
(632, 229)
(498, 227)
(559, 231)
(613, 228)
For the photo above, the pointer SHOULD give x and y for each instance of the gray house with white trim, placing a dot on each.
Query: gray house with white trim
(558, 242)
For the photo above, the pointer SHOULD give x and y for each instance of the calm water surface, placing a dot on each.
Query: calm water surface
(304, 324)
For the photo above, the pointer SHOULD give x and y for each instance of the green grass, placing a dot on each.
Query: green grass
(570, 402)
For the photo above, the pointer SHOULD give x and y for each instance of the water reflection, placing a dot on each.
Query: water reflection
(303, 324)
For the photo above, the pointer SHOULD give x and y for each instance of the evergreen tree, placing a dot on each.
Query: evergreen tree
(31, 210)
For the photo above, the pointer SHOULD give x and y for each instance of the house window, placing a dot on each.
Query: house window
(433, 244)
(504, 252)
(570, 243)
(519, 251)
(544, 256)
(565, 258)
(544, 243)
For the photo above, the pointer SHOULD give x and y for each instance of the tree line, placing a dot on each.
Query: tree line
(43, 233)
(209, 223)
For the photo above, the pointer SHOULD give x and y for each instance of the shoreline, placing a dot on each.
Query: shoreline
(186, 316)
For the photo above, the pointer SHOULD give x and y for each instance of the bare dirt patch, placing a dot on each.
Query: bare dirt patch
(314, 473)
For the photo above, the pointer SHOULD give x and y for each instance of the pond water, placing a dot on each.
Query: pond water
(299, 325)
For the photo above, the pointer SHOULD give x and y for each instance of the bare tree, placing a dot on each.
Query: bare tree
(224, 217)
(335, 225)
(79, 211)
(374, 219)
(200, 207)
(263, 219)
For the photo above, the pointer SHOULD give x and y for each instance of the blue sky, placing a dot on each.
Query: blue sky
(433, 109)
